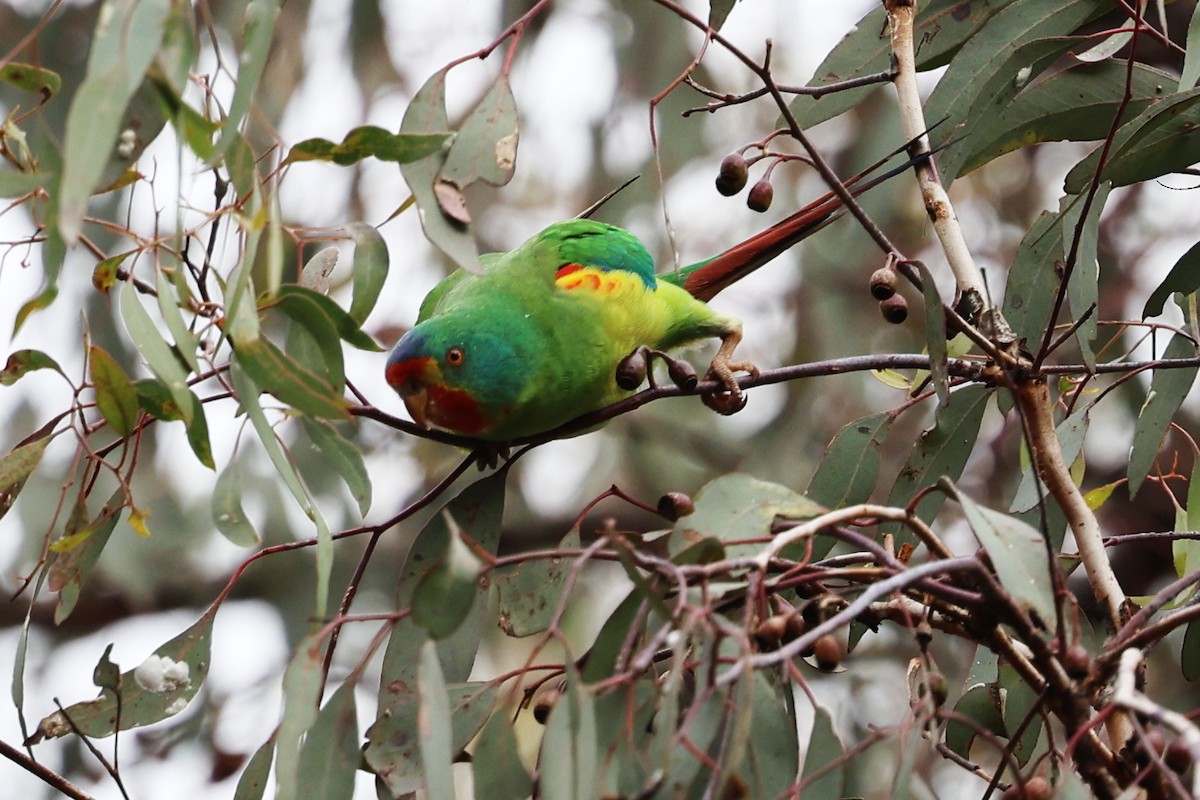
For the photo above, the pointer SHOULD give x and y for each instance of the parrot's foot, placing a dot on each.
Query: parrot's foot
(488, 455)
(729, 400)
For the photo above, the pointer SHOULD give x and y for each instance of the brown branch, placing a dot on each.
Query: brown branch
(44, 773)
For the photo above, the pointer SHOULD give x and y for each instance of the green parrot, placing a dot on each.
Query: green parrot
(536, 339)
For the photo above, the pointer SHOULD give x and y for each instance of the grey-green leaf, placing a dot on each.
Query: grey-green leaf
(343, 457)
(123, 46)
(1183, 278)
(1168, 388)
(496, 763)
(942, 451)
(158, 688)
(1077, 104)
(370, 268)
(567, 762)
(427, 114)
(1158, 141)
(485, 147)
(227, 512)
(330, 756)
(849, 469)
(942, 27)
(1018, 552)
(433, 726)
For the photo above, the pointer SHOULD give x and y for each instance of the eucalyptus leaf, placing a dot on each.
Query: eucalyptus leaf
(1168, 389)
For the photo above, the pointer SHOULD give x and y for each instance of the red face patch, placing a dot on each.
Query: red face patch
(455, 410)
(402, 372)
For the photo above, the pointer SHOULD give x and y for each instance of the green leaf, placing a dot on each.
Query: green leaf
(247, 394)
(186, 342)
(1077, 104)
(368, 141)
(78, 549)
(1191, 57)
(496, 763)
(477, 509)
(1083, 289)
(567, 761)
(107, 675)
(28, 78)
(942, 451)
(393, 752)
(433, 726)
(1018, 552)
(1186, 552)
(1168, 388)
(288, 380)
(253, 783)
(485, 147)
(370, 271)
(1005, 55)
(330, 756)
(941, 28)
(302, 681)
(313, 341)
(529, 593)
(849, 469)
(158, 688)
(772, 751)
(1017, 699)
(718, 10)
(194, 128)
(156, 400)
(981, 704)
(115, 396)
(935, 335)
(18, 463)
(825, 748)
(18, 184)
(1183, 278)
(1070, 432)
(343, 457)
(23, 362)
(345, 323)
(601, 659)
(1189, 656)
(227, 512)
(197, 432)
(1033, 279)
(1158, 141)
(737, 506)
(427, 114)
(258, 32)
(158, 354)
(123, 46)
(445, 594)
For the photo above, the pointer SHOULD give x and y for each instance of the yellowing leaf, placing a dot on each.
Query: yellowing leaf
(1098, 496)
(137, 521)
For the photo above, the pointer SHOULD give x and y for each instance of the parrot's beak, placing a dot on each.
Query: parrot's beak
(417, 401)
(410, 376)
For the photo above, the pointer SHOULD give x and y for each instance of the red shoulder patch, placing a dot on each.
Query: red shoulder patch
(567, 269)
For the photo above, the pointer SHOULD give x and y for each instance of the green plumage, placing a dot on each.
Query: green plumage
(534, 347)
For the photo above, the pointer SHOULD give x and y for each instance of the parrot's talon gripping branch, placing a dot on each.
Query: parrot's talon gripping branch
(723, 368)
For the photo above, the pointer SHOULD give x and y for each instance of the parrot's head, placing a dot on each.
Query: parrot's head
(452, 374)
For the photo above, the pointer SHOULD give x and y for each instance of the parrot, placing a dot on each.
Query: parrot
(536, 339)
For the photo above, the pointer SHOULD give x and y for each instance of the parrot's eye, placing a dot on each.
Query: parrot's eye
(455, 356)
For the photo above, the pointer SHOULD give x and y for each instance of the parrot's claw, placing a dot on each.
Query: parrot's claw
(729, 400)
(488, 455)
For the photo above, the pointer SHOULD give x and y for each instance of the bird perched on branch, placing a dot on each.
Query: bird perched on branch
(538, 339)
